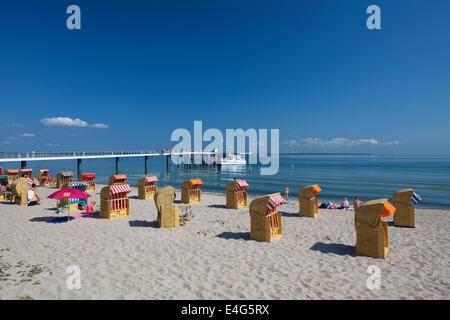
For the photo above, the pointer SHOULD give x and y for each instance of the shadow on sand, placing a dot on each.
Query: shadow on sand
(220, 206)
(336, 248)
(143, 223)
(60, 219)
(234, 235)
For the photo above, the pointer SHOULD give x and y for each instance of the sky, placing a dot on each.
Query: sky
(138, 70)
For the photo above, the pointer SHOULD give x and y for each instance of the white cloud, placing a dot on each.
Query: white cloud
(52, 145)
(27, 135)
(64, 121)
(99, 125)
(5, 142)
(335, 142)
(69, 122)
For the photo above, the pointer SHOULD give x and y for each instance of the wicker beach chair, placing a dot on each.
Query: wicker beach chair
(190, 192)
(43, 178)
(63, 177)
(13, 174)
(404, 215)
(265, 221)
(236, 194)
(114, 202)
(117, 179)
(26, 173)
(308, 203)
(3, 179)
(147, 187)
(19, 189)
(168, 213)
(89, 178)
(372, 233)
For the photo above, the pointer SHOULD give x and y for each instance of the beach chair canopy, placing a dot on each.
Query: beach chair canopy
(274, 201)
(22, 171)
(241, 185)
(369, 212)
(44, 171)
(124, 188)
(164, 197)
(260, 206)
(88, 175)
(12, 171)
(415, 198)
(78, 185)
(151, 180)
(404, 195)
(67, 173)
(20, 187)
(195, 183)
(309, 191)
(118, 177)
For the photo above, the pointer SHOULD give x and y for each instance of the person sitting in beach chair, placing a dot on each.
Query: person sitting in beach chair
(33, 198)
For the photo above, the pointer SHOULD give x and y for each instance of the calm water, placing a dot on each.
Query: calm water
(366, 176)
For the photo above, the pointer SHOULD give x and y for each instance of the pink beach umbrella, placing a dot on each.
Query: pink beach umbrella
(68, 194)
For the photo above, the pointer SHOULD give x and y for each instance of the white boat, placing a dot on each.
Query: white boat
(233, 160)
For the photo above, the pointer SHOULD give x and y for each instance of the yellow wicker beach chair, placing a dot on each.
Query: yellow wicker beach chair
(19, 189)
(190, 192)
(63, 177)
(168, 213)
(236, 194)
(89, 178)
(404, 215)
(117, 179)
(308, 203)
(114, 202)
(265, 221)
(372, 233)
(147, 187)
(13, 174)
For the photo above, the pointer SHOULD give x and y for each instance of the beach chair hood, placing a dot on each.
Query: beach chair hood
(260, 205)
(403, 196)
(309, 191)
(370, 211)
(164, 197)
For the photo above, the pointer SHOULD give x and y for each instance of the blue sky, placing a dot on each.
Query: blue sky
(137, 70)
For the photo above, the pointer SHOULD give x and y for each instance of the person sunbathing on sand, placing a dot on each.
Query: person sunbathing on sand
(90, 208)
(344, 204)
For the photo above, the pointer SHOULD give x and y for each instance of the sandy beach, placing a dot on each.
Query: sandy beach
(212, 256)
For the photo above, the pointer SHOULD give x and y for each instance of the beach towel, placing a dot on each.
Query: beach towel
(80, 215)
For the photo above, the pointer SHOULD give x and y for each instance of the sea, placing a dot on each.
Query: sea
(368, 176)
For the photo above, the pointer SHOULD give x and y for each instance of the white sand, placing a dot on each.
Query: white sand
(212, 257)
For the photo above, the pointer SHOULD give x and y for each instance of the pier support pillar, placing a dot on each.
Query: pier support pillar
(146, 165)
(117, 165)
(23, 164)
(167, 162)
(78, 167)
